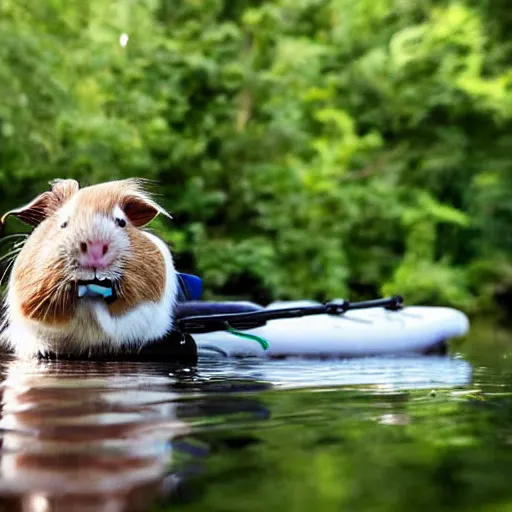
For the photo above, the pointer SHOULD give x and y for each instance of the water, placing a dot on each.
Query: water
(429, 433)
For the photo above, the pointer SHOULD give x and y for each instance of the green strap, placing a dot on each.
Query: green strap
(263, 342)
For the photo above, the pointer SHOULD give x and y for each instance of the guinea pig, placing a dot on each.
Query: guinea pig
(85, 238)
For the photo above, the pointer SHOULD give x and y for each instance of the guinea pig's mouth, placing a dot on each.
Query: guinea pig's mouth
(97, 288)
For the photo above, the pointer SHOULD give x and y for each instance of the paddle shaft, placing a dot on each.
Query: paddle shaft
(249, 320)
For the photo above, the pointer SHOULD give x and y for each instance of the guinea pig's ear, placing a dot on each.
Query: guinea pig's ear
(32, 213)
(140, 209)
(44, 204)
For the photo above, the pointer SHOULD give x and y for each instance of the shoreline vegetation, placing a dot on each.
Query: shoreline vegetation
(313, 149)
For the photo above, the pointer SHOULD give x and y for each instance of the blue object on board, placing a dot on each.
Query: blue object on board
(191, 287)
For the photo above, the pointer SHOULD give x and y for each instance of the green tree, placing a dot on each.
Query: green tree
(312, 148)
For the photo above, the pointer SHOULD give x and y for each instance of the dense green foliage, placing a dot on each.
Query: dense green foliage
(306, 148)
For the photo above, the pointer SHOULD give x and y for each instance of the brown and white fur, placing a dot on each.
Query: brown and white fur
(43, 311)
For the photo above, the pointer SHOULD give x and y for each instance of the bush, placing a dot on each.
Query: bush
(314, 148)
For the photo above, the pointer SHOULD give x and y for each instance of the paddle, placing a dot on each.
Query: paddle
(249, 320)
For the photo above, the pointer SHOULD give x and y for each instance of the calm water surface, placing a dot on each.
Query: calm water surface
(393, 434)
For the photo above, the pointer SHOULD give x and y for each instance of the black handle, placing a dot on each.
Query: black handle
(242, 321)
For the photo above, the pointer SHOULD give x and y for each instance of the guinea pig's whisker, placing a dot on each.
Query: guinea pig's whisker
(14, 235)
(14, 247)
(55, 303)
(7, 269)
(9, 261)
(42, 302)
(62, 300)
(19, 245)
(10, 255)
(119, 290)
(51, 302)
(10, 238)
(47, 300)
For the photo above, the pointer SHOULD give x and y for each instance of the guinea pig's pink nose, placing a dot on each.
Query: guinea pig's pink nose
(94, 254)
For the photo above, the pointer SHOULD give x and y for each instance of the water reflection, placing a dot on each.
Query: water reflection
(391, 373)
(114, 437)
(94, 439)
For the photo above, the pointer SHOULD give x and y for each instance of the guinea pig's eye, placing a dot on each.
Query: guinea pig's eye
(64, 224)
(120, 222)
